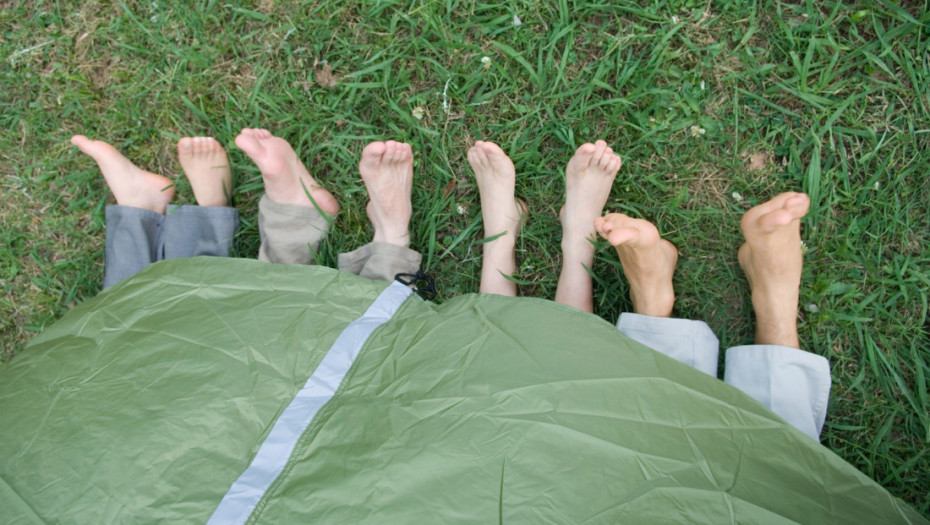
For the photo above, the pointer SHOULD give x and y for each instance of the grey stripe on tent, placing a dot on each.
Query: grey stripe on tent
(248, 490)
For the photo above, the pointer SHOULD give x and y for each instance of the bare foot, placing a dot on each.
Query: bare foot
(648, 262)
(207, 168)
(501, 214)
(387, 169)
(589, 176)
(131, 186)
(284, 175)
(772, 261)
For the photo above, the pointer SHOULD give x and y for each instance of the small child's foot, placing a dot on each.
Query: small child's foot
(772, 260)
(130, 185)
(387, 169)
(204, 162)
(648, 262)
(501, 213)
(284, 175)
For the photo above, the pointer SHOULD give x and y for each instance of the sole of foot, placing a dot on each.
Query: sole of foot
(130, 185)
(589, 177)
(286, 179)
(387, 170)
(648, 262)
(501, 213)
(772, 260)
(206, 166)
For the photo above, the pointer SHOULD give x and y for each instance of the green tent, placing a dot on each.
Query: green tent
(234, 391)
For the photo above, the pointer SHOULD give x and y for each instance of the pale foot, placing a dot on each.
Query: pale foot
(204, 162)
(589, 177)
(387, 169)
(131, 186)
(648, 262)
(501, 214)
(772, 260)
(284, 175)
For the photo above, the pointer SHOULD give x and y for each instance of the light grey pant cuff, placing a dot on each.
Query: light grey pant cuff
(191, 231)
(381, 261)
(290, 234)
(134, 240)
(690, 342)
(792, 383)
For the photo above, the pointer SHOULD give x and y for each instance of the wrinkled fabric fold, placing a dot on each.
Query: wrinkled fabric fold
(380, 261)
(290, 234)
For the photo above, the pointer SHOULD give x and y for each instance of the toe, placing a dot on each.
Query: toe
(472, 156)
(390, 151)
(374, 150)
(249, 143)
(477, 157)
(492, 149)
(604, 161)
(97, 149)
(372, 157)
(797, 205)
(613, 165)
(406, 152)
(774, 220)
(585, 153)
(621, 235)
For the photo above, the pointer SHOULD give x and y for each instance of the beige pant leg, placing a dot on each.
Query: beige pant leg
(379, 260)
(290, 234)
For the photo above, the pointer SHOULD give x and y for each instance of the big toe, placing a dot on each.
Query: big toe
(797, 205)
(585, 151)
(372, 157)
(186, 146)
(95, 148)
(250, 143)
(775, 213)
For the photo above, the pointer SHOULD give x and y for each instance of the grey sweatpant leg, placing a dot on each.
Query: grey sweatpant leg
(792, 383)
(191, 231)
(137, 237)
(134, 240)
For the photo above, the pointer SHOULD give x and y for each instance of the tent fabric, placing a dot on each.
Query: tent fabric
(146, 403)
(247, 491)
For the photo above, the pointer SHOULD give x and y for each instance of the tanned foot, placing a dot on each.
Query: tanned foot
(387, 169)
(131, 186)
(207, 168)
(772, 260)
(284, 175)
(648, 262)
(589, 176)
(501, 214)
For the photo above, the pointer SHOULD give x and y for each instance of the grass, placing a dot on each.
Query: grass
(829, 98)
